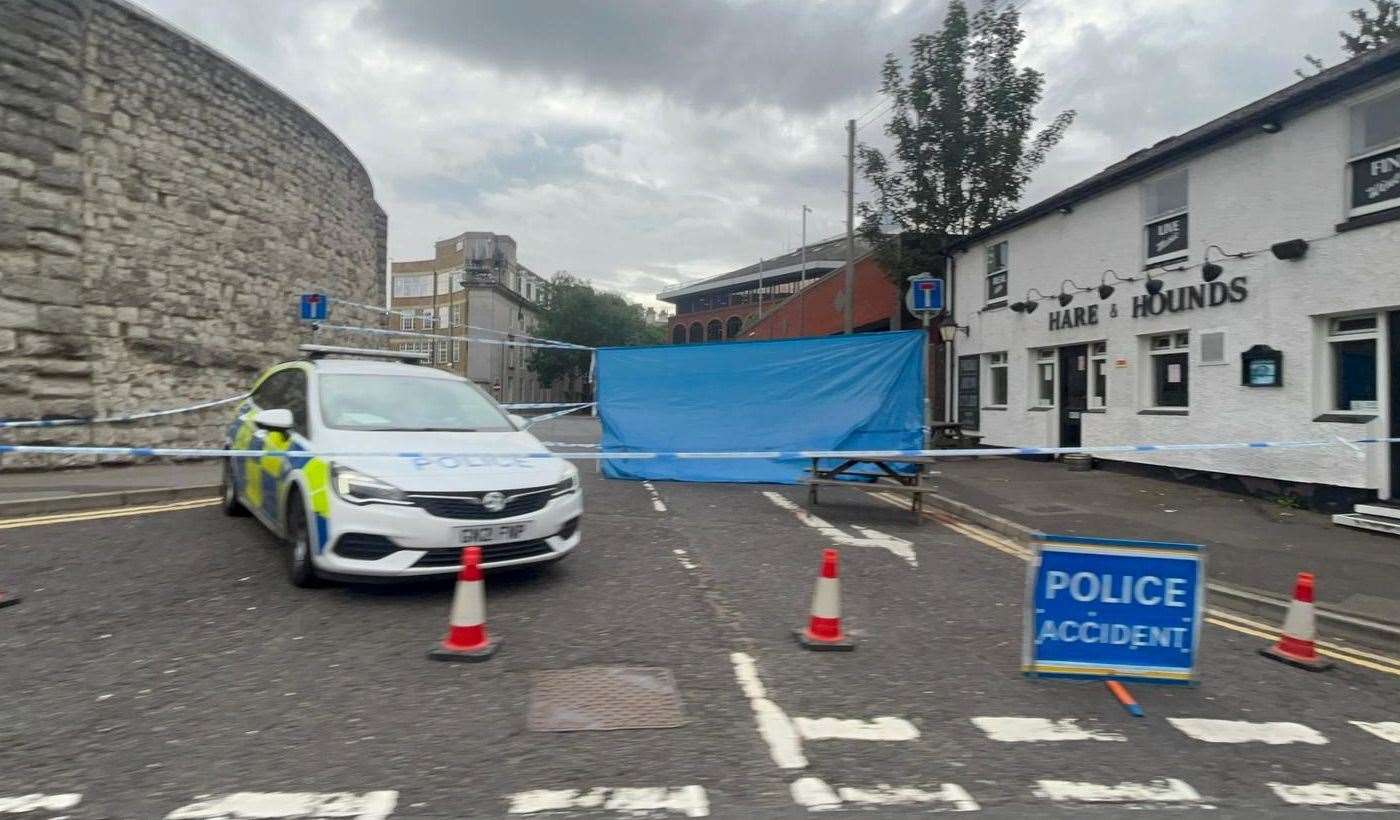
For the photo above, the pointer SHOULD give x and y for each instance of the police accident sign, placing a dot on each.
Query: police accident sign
(1105, 608)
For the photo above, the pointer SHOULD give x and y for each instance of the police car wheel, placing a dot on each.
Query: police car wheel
(300, 571)
(231, 505)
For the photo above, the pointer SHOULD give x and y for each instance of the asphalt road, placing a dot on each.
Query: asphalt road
(160, 663)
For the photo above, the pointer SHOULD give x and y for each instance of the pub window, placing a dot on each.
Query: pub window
(1374, 162)
(997, 273)
(1044, 369)
(1164, 215)
(1170, 355)
(1098, 374)
(1352, 342)
(996, 379)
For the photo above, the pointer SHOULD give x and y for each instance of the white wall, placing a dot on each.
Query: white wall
(1244, 195)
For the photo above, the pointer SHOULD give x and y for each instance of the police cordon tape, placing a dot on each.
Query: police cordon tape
(566, 411)
(411, 312)
(378, 331)
(779, 455)
(69, 422)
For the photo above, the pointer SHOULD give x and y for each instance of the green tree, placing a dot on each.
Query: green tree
(964, 146)
(579, 313)
(1374, 29)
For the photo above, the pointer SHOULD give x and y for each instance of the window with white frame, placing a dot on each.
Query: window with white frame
(998, 270)
(413, 285)
(1164, 207)
(996, 379)
(1352, 343)
(456, 315)
(1098, 374)
(406, 320)
(1374, 162)
(425, 318)
(1044, 377)
(1170, 371)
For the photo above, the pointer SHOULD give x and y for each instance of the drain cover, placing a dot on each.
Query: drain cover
(603, 698)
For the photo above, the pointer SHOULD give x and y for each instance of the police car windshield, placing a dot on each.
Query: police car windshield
(407, 403)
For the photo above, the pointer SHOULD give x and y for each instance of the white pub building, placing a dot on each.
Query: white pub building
(1238, 282)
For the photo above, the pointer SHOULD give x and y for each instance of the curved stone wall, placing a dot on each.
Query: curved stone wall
(160, 208)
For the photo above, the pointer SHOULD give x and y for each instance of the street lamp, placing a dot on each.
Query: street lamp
(948, 329)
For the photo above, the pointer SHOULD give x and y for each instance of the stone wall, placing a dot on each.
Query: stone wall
(160, 208)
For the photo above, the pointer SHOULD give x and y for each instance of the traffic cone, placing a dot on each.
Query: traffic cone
(466, 636)
(823, 630)
(1296, 645)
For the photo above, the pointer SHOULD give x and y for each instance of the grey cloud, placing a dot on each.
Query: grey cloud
(794, 53)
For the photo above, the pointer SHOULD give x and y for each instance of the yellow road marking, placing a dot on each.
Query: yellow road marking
(1216, 617)
(93, 515)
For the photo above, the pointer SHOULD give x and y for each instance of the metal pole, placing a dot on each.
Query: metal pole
(432, 354)
(760, 288)
(848, 325)
(928, 383)
(801, 297)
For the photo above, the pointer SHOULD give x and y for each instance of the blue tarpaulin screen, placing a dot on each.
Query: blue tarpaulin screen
(858, 392)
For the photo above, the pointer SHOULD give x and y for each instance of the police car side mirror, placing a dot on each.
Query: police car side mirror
(273, 419)
(519, 421)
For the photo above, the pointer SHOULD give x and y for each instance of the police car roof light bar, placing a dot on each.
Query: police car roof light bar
(322, 351)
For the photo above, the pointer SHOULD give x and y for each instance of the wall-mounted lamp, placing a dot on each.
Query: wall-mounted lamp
(1105, 289)
(1028, 305)
(948, 329)
(1290, 249)
(1154, 286)
(1210, 271)
(1270, 126)
(1066, 297)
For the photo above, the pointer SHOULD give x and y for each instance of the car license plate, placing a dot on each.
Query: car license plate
(492, 533)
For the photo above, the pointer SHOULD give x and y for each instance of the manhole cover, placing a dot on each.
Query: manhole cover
(603, 698)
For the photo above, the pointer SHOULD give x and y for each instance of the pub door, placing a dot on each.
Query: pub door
(1074, 393)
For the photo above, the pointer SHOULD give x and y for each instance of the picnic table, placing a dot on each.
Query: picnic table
(884, 477)
(950, 435)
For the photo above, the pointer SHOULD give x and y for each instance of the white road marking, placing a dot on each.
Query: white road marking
(376, 805)
(814, 794)
(784, 743)
(656, 502)
(19, 804)
(1165, 790)
(1039, 730)
(1385, 730)
(1335, 794)
(684, 558)
(1243, 731)
(881, 728)
(887, 795)
(872, 538)
(688, 800)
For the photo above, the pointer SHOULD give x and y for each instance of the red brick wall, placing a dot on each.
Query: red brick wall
(816, 311)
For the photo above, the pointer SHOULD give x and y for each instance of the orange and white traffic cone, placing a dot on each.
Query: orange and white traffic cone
(823, 630)
(466, 635)
(1297, 646)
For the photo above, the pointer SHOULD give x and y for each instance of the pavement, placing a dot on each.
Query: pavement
(161, 666)
(1252, 543)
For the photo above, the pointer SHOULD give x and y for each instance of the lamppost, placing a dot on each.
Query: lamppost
(801, 297)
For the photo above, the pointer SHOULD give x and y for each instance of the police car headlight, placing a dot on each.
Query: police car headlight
(568, 485)
(358, 488)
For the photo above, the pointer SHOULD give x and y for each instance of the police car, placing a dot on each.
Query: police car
(362, 517)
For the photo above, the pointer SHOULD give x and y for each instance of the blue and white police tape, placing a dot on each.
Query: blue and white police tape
(777, 455)
(546, 405)
(566, 411)
(411, 312)
(70, 422)
(378, 331)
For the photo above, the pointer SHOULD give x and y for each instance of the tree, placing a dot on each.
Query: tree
(578, 313)
(1373, 30)
(963, 145)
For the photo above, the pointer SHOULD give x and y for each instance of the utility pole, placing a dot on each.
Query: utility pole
(848, 326)
(432, 354)
(760, 288)
(801, 297)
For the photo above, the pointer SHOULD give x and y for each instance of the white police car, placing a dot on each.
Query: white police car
(363, 517)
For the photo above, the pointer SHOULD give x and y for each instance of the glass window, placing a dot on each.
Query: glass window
(1353, 341)
(1170, 370)
(413, 285)
(284, 390)
(997, 272)
(1375, 124)
(1045, 377)
(1164, 196)
(375, 402)
(1098, 374)
(1373, 174)
(996, 379)
(406, 320)
(1164, 206)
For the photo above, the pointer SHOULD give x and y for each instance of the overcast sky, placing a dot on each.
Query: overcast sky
(641, 143)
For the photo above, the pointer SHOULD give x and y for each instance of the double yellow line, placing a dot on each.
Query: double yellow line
(93, 515)
(1217, 617)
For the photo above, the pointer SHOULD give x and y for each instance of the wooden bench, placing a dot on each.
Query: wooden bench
(887, 479)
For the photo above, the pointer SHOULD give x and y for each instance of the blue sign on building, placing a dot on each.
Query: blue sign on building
(314, 306)
(1106, 608)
